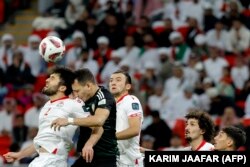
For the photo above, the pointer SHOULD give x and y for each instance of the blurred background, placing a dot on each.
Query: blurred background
(181, 54)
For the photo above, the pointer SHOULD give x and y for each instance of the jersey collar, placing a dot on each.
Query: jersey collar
(120, 99)
(62, 98)
(201, 145)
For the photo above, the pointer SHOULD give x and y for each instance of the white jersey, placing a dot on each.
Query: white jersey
(204, 146)
(58, 142)
(128, 106)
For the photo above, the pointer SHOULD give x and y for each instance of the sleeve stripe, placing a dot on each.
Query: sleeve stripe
(135, 115)
(100, 95)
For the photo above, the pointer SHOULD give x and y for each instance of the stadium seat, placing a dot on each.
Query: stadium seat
(5, 142)
(179, 129)
(246, 122)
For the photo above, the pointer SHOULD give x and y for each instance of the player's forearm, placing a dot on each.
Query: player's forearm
(27, 151)
(95, 136)
(127, 133)
(91, 121)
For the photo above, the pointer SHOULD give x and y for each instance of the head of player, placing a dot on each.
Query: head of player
(199, 129)
(84, 85)
(59, 83)
(229, 139)
(119, 84)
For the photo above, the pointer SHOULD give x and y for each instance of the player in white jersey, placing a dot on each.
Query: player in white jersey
(199, 131)
(129, 119)
(230, 138)
(53, 146)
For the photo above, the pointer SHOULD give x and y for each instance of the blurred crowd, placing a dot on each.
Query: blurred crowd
(182, 54)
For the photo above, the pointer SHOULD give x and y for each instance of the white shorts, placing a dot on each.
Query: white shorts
(138, 163)
(49, 160)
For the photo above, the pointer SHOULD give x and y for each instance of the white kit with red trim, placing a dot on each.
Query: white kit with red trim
(128, 106)
(58, 142)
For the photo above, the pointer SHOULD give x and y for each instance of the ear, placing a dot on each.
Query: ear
(230, 142)
(202, 131)
(62, 88)
(128, 86)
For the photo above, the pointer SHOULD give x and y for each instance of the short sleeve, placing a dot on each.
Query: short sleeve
(133, 107)
(105, 101)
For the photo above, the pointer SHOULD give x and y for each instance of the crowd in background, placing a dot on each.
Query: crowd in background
(182, 54)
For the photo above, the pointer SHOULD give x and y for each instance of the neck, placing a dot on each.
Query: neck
(120, 96)
(196, 143)
(57, 96)
(94, 89)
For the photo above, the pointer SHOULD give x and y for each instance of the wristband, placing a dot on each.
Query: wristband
(71, 121)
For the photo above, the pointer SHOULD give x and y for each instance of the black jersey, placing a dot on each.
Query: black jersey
(107, 145)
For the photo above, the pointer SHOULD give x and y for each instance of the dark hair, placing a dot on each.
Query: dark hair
(128, 78)
(84, 75)
(66, 78)
(205, 123)
(237, 134)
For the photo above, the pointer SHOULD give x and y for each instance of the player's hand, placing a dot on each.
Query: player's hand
(12, 156)
(88, 153)
(58, 123)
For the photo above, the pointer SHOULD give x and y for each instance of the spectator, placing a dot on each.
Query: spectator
(31, 115)
(86, 61)
(20, 131)
(6, 50)
(239, 36)
(7, 116)
(214, 64)
(158, 125)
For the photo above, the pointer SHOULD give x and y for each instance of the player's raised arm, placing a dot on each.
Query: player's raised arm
(13, 156)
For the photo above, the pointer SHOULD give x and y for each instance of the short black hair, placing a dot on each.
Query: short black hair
(128, 77)
(205, 123)
(84, 75)
(238, 135)
(66, 78)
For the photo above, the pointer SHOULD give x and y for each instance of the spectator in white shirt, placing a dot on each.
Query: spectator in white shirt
(6, 50)
(32, 56)
(175, 83)
(215, 64)
(240, 73)
(239, 37)
(130, 52)
(31, 116)
(74, 53)
(111, 66)
(178, 105)
(218, 36)
(7, 116)
(86, 61)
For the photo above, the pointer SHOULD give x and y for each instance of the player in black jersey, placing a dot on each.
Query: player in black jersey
(101, 104)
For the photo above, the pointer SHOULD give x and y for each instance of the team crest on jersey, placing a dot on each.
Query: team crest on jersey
(60, 104)
(135, 106)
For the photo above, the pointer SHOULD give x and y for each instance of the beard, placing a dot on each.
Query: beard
(50, 91)
(188, 139)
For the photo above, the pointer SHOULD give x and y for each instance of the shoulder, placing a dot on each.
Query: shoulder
(208, 147)
(131, 98)
(103, 93)
(74, 102)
